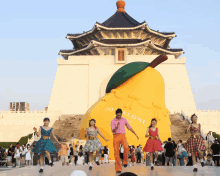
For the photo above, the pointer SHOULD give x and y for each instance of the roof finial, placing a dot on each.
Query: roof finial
(120, 5)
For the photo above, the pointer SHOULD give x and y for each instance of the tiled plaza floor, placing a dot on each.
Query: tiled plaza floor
(109, 170)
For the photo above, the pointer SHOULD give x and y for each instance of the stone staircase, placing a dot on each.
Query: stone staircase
(67, 126)
(178, 126)
(63, 129)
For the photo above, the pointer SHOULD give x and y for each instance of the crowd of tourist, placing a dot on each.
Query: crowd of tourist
(16, 155)
(172, 155)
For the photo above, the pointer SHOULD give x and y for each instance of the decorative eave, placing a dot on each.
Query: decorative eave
(143, 26)
(147, 42)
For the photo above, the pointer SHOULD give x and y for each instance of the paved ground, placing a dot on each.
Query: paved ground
(109, 170)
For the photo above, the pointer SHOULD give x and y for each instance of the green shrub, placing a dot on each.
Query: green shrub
(215, 135)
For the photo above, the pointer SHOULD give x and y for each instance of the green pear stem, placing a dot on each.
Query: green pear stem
(158, 60)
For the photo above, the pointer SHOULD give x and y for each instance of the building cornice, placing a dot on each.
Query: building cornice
(142, 26)
(148, 43)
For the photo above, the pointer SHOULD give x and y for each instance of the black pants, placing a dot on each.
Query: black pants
(138, 158)
(86, 158)
(163, 160)
(216, 158)
(75, 159)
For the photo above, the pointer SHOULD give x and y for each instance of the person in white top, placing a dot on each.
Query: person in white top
(23, 155)
(80, 159)
(17, 156)
(108, 152)
(28, 155)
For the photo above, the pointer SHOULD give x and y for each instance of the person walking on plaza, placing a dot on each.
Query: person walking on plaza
(71, 153)
(105, 155)
(216, 151)
(175, 153)
(132, 155)
(163, 154)
(108, 152)
(18, 156)
(195, 142)
(64, 153)
(189, 159)
(28, 155)
(45, 145)
(118, 129)
(23, 155)
(181, 153)
(153, 144)
(93, 143)
(169, 152)
(76, 154)
(138, 154)
(9, 156)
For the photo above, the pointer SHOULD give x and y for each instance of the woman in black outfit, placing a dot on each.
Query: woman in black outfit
(80, 150)
(13, 154)
(190, 162)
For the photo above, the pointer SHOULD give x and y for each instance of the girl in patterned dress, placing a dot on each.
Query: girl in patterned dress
(195, 142)
(45, 145)
(93, 143)
(153, 143)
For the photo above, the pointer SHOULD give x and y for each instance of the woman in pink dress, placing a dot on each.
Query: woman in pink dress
(153, 143)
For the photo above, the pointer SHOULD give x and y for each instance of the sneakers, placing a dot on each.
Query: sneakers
(97, 163)
(125, 165)
(195, 170)
(152, 167)
(90, 167)
(41, 170)
(118, 172)
(51, 164)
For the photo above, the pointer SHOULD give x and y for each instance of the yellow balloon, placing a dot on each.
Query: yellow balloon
(141, 98)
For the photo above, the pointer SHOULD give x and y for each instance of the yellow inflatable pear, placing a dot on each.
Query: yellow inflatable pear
(141, 98)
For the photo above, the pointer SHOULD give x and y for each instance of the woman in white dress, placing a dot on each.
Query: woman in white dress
(23, 151)
(80, 159)
(28, 155)
(17, 156)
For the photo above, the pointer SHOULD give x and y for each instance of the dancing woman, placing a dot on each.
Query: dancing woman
(93, 143)
(195, 142)
(153, 143)
(45, 145)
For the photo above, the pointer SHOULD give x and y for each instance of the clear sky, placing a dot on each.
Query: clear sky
(33, 32)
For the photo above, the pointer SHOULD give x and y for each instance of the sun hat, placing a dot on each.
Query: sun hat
(78, 173)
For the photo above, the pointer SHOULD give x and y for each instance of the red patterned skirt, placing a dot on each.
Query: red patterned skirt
(194, 144)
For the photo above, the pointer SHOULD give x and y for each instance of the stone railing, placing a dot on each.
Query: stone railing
(19, 112)
(21, 124)
(30, 141)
